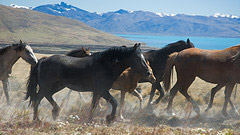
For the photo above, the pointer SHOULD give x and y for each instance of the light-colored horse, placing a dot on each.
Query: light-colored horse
(9, 56)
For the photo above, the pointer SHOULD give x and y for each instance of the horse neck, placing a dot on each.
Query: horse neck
(10, 58)
(117, 69)
(136, 75)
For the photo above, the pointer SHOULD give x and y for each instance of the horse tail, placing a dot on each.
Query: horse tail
(168, 71)
(32, 83)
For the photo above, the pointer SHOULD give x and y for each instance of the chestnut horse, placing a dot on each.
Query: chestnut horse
(214, 66)
(127, 82)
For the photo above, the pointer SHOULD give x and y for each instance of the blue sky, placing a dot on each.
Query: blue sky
(196, 7)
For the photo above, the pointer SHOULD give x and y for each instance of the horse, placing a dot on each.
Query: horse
(213, 66)
(9, 55)
(157, 60)
(95, 73)
(82, 52)
(235, 59)
(126, 82)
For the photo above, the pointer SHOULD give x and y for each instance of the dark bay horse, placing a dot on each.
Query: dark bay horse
(9, 56)
(158, 60)
(95, 73)
(126, 82)
(82, 52)
(214, 66)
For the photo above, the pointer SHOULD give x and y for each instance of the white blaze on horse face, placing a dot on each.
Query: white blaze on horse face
(145, 63)
(29, 56)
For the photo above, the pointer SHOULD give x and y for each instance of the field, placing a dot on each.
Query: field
(73, 119)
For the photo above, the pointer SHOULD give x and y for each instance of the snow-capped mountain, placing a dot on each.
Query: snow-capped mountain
(145, 22)
(16, 6)
(165, 14)
(224, 15)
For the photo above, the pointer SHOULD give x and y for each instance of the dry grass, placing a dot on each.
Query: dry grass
(73, 119)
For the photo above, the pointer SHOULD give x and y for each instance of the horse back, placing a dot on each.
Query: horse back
(75, 73)
(210, 65)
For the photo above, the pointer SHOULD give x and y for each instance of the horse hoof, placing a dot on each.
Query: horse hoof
(37, 121)
(225, 114)
(237, 113)
(153, 102)
(170, 113)
(121, 117)
(206, 109)
(55, 114)
(109, 118)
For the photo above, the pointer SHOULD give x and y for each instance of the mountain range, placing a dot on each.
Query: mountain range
(40, 28)
(144, 22)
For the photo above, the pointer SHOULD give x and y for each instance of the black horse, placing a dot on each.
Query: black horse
(95, 73)
(158, 60)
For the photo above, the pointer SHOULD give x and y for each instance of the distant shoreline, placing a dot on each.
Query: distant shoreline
(62, 49)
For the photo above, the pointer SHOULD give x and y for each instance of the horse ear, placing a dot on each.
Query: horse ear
(84, 49)
(188, 41)
(235, 58)
(88, 49)
(137, 45)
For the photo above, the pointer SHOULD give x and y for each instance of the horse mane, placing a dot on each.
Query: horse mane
(73, 52)
(113, 53)
(4, 49)
(168, 46)
(19, 46)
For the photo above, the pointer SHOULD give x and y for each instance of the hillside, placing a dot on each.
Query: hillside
(40, 28)
(144, 22)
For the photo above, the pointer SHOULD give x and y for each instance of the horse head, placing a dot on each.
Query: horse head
(25, 52)
(138, 62)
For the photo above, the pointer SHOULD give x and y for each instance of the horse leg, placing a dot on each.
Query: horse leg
(6, 89)
(160, 89)
(123, 93)
(95, 100)
(108, 97)
(213, 92)
(154, 85)
(67, 97)
(80, 96)
(56, 108)
(189, 99)
(228, 92)
(173, 92)
(233, 107)
(39, 97)
(137, 94)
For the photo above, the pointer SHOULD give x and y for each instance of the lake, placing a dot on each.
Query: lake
(210, 43)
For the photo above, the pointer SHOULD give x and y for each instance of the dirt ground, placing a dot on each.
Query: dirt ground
(73, 119)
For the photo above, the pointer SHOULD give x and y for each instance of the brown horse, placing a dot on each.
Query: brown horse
(214, 66)
(127, 82)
